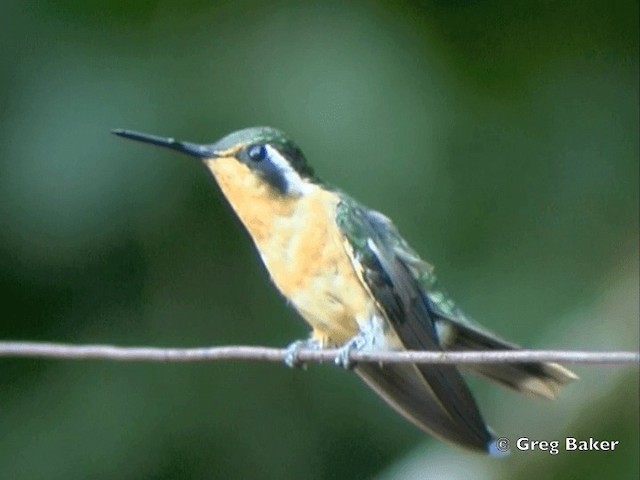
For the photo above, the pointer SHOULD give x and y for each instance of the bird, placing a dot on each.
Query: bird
(348, 272)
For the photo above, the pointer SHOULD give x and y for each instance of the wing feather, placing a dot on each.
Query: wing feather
(433, 396)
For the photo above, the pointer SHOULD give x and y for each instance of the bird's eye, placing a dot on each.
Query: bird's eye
(257, 153)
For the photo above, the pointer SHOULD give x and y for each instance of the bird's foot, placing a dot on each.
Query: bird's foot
(356, 344)
(291, 359)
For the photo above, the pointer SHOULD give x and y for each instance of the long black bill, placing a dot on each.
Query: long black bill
(193, 149)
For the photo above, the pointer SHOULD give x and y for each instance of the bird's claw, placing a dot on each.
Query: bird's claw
(343, 359)
(291, 358)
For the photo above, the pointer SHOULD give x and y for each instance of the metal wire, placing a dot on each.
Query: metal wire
(63, 351)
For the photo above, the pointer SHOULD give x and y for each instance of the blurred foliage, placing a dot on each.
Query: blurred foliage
(501, 136)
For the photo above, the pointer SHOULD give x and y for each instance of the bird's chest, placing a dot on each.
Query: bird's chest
(307, 259)
(303, 250)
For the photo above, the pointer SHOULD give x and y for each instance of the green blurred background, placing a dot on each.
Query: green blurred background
(502, 138)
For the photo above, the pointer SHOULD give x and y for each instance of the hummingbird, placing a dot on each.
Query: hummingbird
(350, 275)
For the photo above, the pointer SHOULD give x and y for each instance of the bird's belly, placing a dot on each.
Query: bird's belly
(307, 259)
(335, 304)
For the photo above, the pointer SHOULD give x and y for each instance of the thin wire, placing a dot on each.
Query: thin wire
(65, 351)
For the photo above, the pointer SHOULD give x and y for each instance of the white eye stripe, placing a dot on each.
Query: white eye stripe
(295, 183)
(277, 159)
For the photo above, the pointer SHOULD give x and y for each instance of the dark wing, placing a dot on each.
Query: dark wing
(434, 397)
(458, 332)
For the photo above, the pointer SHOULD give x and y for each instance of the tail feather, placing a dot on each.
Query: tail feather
(535, 378)
(402, 387)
